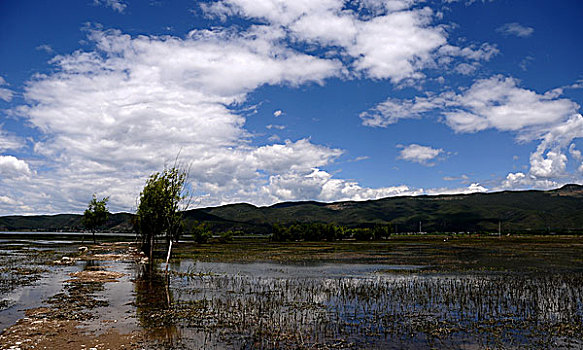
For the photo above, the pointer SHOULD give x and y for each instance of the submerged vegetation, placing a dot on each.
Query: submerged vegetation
(307, 310)
(403, 292)
(407, 292)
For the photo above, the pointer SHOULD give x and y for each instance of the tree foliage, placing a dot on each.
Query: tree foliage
(95, 215)
(329, 232)
(159, 212)
(201, 232)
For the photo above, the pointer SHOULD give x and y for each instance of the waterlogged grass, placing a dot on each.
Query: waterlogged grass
(243, 310)
(398, 312)
(20, 266)
(406, 292)
(438, 253)
(418, 292)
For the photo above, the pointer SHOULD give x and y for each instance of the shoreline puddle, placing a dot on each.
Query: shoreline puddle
(75, 306)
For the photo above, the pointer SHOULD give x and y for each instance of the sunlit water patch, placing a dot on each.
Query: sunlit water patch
(25, 280)
(113, 305)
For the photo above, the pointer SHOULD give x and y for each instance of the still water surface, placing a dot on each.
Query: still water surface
(317, 304)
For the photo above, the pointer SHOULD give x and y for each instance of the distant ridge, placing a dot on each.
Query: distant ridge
(533, 211)
(571, 189)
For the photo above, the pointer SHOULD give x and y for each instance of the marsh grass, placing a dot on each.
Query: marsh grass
(472, 292)
(20, 267)
(388, 311)
(459, 253)
(497, 306)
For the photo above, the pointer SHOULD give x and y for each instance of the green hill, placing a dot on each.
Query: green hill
(559, 211)
(120, 222)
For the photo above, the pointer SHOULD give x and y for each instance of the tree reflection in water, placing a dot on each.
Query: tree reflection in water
(153, 301)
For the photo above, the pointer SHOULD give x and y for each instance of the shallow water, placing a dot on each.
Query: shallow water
(120, 312)
(266, 305)
(287, 270)
(27, 297)
(18, 296)
(320, 304)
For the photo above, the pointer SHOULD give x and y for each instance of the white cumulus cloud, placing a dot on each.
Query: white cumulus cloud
(550, 159)
(472, 188)
(11, 166)
(496, 102)
(5, 94)
(319, 185)
(396, 41)
(499, 103)
(419, 154)
(521, 180)
(575, 153)
(110, 116)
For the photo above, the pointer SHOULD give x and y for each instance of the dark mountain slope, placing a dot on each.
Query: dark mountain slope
(555, 210)
(559, 210)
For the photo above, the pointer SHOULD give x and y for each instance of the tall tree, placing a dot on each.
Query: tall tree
(95, 215)
(159, 211)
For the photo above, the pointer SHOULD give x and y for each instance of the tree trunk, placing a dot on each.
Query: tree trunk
(151, 255)
(168, 256)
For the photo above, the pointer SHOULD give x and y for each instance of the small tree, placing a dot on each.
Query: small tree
(158, 211)
(201, 232)
(95, 215)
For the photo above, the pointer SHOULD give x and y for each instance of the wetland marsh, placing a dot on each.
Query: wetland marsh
(405, 292)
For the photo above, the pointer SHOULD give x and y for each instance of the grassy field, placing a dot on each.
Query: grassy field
(437, 252)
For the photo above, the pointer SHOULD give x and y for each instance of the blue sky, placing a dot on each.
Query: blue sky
(274, 100)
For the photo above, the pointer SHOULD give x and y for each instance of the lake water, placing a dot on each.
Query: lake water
(318, 304)
(266, 305)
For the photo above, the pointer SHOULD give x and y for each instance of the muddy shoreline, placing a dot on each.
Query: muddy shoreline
(64, 323)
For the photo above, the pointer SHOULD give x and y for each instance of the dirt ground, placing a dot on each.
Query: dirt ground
(44, 333)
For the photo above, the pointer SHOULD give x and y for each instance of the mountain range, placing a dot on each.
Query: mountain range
(553, 211)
